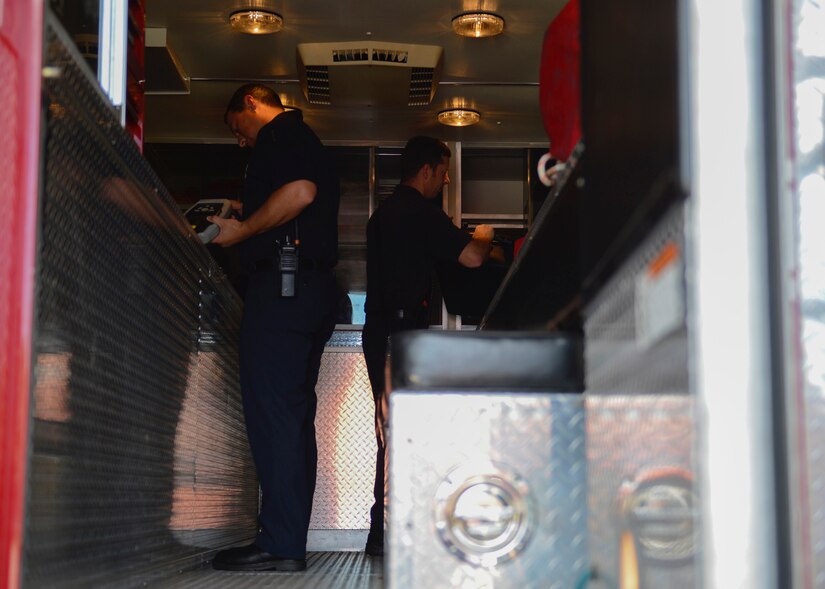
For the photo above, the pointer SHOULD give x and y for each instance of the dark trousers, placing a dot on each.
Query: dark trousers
(282, 341)
(375, 341)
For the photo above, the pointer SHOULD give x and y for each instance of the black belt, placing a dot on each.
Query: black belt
(303, 264)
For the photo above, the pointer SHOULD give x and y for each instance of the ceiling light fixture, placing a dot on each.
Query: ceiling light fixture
(478, 24)
(256, 21)
(459, 117)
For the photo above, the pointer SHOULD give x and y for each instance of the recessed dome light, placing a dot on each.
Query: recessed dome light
(478, 24)
(256, 21)
(459, 117)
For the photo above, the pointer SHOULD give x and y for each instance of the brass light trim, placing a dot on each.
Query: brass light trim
(478, 24)
(256, 21)
(459, 117)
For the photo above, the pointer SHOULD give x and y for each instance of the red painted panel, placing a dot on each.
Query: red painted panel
(21, 34)
(560, 81)
(136, 71)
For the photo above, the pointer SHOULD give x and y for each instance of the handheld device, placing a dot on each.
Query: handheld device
(288, 265)
(196, 217)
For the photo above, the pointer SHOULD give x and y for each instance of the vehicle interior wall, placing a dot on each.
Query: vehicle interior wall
(138, 462)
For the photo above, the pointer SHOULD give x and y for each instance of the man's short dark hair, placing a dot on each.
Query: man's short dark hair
(258, 92)
(421, 151)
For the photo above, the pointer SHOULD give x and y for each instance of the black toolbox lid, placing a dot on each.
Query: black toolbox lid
(487, 360)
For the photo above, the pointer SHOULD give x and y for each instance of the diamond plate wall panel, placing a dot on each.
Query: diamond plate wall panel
(486, 490)
(642, 501)
(345, 432)
(347, 340)
(640, 487)
(139, 460)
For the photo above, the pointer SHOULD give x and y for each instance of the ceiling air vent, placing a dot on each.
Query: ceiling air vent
(421, 86)
(369, 73)
(385, 55)
(317, 84)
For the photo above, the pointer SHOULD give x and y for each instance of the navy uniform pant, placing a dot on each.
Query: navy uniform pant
(282, 341)
(375, 340)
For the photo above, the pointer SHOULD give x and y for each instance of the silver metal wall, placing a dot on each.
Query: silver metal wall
(139, 462)
(486, 489)
(346, 448)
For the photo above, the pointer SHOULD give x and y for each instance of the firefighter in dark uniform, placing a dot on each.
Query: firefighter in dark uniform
(406, 236)
(290, 202)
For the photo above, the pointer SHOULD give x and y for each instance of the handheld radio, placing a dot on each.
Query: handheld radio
(288, 266)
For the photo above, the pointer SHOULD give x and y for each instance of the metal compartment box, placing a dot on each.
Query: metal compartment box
(643, 497)
(486, 461)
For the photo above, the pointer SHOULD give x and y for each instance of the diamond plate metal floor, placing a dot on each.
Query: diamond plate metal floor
(327, 570)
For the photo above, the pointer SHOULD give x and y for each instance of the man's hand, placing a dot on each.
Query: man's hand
(484, 233)
(497, 255)
(237, 206)
(232, 231)
(477, 251)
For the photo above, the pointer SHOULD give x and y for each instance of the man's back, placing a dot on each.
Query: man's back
(405, 236)
(288, 150)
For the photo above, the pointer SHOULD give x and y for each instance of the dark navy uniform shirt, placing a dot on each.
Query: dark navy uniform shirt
(286, 150)
(406, 236)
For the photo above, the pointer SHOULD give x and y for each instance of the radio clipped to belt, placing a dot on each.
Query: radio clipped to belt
(288, 266)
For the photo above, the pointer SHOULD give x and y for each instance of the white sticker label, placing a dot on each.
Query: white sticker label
(660, 300)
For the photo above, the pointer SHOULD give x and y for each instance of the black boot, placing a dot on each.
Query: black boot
(375, 544)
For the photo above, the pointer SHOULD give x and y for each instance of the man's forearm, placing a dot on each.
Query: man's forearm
(281, 206)
(475, 253)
